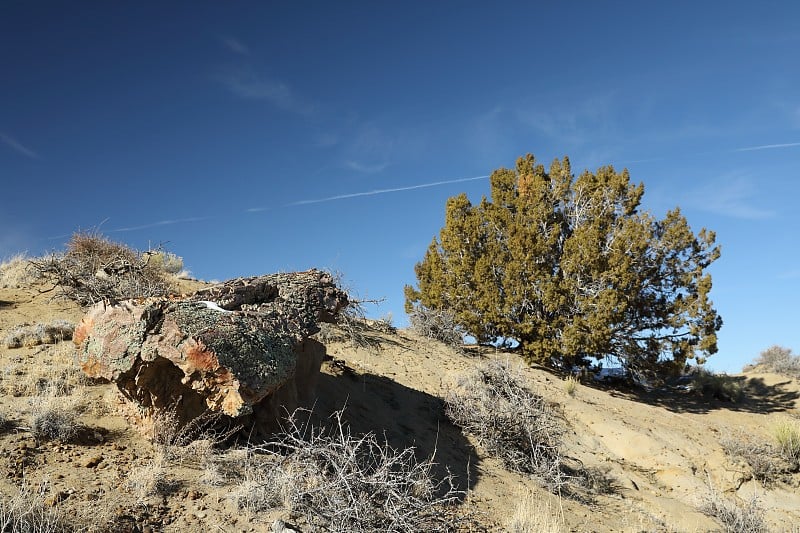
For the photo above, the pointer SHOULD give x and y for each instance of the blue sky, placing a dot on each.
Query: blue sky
(213, 127)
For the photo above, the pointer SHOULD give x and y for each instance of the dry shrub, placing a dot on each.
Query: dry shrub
(735, 515)
(437, 324)
(17, 272)
(148, 478)
(342, 482)
(495, 405)
(32, 335)
(779, 360)
(762, 461)
(27, 512)
(719, 386)
(94, 269)
(571, 384)
(54, 420)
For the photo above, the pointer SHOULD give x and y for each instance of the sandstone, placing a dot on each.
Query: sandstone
(241, 348)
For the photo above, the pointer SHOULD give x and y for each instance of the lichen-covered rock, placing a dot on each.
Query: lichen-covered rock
(239, 348)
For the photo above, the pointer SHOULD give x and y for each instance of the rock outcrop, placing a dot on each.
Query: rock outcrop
(240, 348)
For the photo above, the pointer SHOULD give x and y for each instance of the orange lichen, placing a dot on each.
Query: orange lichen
(83, 331)
(199, 357)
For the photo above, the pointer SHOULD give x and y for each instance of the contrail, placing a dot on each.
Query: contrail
(766, 147)
(160, 223)
(17, 146)
(382, 191)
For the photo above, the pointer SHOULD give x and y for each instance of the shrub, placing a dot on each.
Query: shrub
(509, 421)
(779, 360)
(342, 482)
(736, 516)
(719, 386)
(437, 324)
(55, 423)
(787, 436)
(570, 384)
(761, 459)
(164, 261)
(94, 268)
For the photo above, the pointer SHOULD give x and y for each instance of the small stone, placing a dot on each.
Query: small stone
(93, 461)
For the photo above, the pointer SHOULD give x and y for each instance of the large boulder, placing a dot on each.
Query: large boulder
(239, 348)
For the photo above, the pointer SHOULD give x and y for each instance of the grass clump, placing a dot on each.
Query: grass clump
(33, 335)
(338, 481)
(533, 516)
(571, 384)
(512, 423)
(761, 459)
(787, 437)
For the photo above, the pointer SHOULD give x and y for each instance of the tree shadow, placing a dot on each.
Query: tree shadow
(756, 397)
(402, 416)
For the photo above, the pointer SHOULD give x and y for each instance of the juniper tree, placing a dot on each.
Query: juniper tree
(572, 269)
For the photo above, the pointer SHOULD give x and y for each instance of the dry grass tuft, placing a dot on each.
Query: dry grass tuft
(571, 384)
(787, 436)
(27, 512)
(534, 516)
(17, 272)
(437, 324)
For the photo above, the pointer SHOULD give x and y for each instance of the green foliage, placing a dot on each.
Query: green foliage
(572, 270)
(718, 386)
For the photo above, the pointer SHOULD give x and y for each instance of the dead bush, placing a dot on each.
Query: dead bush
(342, 482)
(779, 360)
(735, 515)
(763, 463)
(95, 269)
(511, 422)
(437, 324)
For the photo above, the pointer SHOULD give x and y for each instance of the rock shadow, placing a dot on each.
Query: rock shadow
(402, 416)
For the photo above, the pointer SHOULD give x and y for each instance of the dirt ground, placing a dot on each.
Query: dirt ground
(661, 452)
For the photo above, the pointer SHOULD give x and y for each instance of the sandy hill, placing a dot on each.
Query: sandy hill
(656, 456)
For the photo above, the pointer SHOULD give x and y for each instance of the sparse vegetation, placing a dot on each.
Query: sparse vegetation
(571, 384)
(509, 420)
(32, 335)
(762, 461)
(27, 512)
(51, 421)
(342, 482)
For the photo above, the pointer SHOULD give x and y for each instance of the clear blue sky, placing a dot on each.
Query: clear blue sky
(209, 126)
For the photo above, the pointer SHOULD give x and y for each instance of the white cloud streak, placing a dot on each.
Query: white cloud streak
(160, 223)
(249, 86)
(382, 191)
(733, 196)
(767, 147)
(17, 146)
(235, 45)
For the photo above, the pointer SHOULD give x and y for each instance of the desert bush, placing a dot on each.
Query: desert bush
(761, 458)
(719, 386)
(571, 384)
(342, 482)
(779, 360)
(27, 512)
(93, 269)
(735, 515)
(148, 478)
(164, 261)
(32, 335)
(55, 423)
(437, 324)
(494, 405)
(787, 436)
(17, 272)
